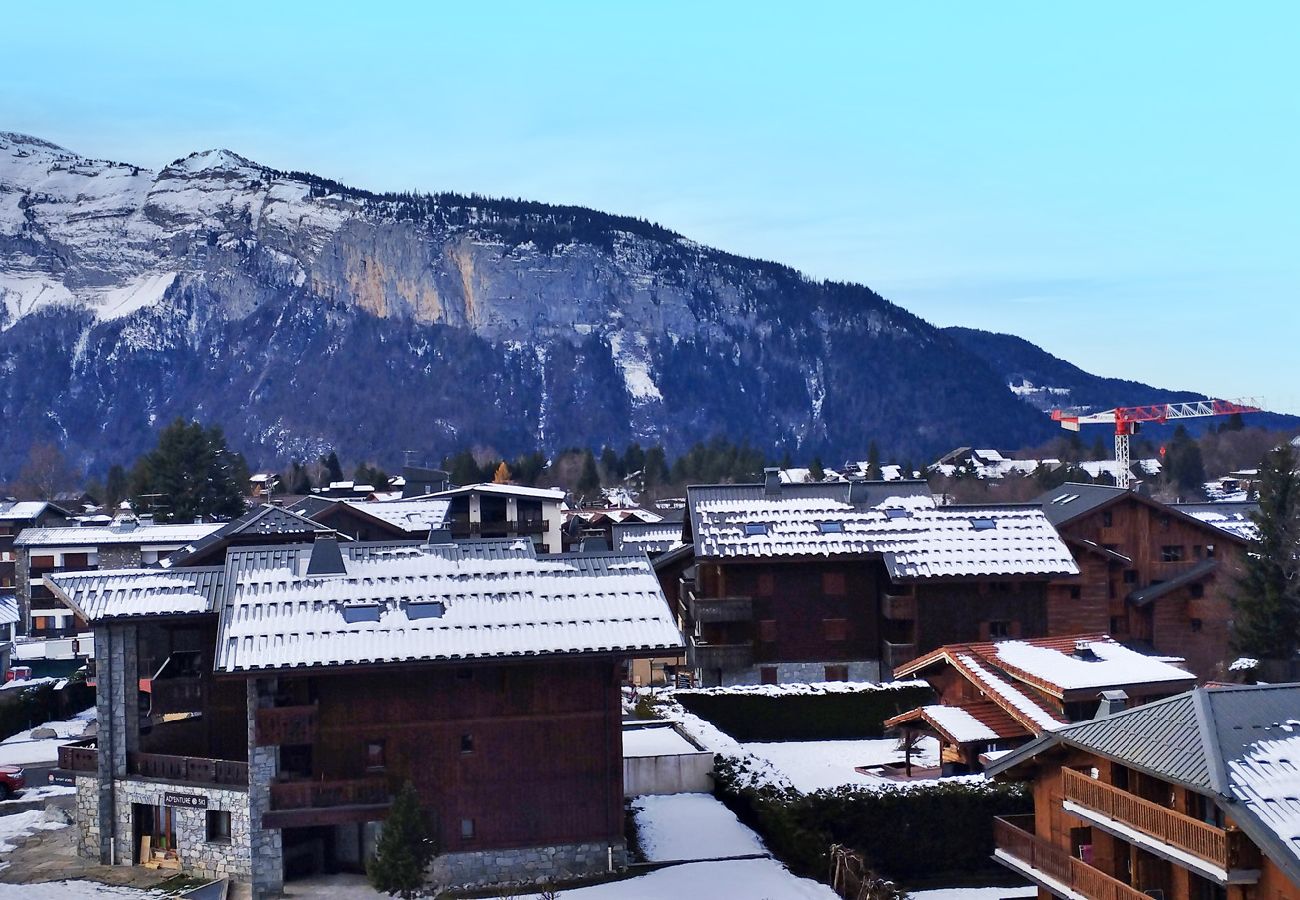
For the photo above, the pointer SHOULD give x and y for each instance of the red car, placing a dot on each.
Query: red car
(11, 781)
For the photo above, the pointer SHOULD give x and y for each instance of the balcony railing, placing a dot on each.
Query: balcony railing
(719, 609)
(1056, 863)
(286, 725)
(1226, 849)
(901, 606)
(175, 695)
(325, 794)
(79, 756)
(720, 656)
(897, 654)
(191, 769)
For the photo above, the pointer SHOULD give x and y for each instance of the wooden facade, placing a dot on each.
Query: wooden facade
(1159, 544)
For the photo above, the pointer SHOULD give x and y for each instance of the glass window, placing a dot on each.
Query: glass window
(219, 826)
(467, 743)
(1173, 553)
(376, 755)
(466, 829)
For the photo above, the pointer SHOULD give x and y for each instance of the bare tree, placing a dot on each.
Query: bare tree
(46, 472)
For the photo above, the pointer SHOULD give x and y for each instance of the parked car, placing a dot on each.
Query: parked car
(11, 781)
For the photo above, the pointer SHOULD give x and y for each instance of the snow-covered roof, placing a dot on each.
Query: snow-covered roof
(1234, 518)
(134, 593)
(508, 490)
(651, 537)
(417, 516)
(95, 536)
(956, 723)
(1114, 665)
(915, 537)
(8, 610)
(22, 510)
(408, 607)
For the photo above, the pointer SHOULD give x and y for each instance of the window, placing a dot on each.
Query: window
(360, 612)
(1075, 592)
(218, 826)
(835, 630)
(767, 675)
(830, 527)
(767, 630)
(837, 673)
(467, 743)
(1107, 519)
(1197, 551)
(898, 514)
(1196, 624)
(375, 755)
(1173, 553)
(1209, 551)
(983, 524)
(1197, 591)
(1130, 576)
(834, 584)
(999, 629)
(753, 529)
(466, 829)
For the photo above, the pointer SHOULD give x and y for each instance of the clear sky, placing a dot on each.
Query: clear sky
(1117, 182)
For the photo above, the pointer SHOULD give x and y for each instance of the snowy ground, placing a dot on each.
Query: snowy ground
(40, 792)
(988, 893)
(816, 765)
(72, 890)
(740, 879)
(22, 750)
(691, 826)
(20, 825)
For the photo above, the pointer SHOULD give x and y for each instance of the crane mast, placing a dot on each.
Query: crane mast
(1127, 420)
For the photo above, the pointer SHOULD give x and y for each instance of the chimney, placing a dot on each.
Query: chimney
(1111, 702)
(593, 545)
(1083, 650)
(772, 482)
(326, 558)
(439, 536)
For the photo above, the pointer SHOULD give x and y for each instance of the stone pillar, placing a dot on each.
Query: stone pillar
(267, 843)
(118, 733)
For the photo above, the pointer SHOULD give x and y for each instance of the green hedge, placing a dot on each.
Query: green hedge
(804, 717)
(915, 833)
(24, 708)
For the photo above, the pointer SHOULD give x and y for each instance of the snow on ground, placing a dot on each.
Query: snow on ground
(691, 826)
(741, 879)
(822, 765)
(20, 825)
(71, 890)
(42, 792)
(816, 687)
(984, 893)
(22, 750)
(654, 741)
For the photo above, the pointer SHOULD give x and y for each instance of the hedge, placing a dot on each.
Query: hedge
(804, 717)
(914, 833)
(23, 708)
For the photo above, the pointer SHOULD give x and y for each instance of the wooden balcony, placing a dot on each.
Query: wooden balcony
(326, 794)
(719, 609)
(176, 695)
(901, 607)
(282, 725)
(897, 654)
(1042, 861)
(720, 656)
(79, 756)
(188, 769)
(1226, 849)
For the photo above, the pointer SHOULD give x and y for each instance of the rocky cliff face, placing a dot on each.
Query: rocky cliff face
(302, 314)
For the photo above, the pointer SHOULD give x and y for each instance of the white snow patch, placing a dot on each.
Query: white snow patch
(20, 825)
(691, 826)
(741, 879)
(72, 890)
(139, 293)
(979, 893)
(632, 361)
(22, 750)
(654, 741)
(825, 765)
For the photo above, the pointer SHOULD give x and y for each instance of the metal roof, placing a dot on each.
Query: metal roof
(8, 610)
(1234, 518)
(652, 537)
(114, 534)
(26, 510)
(438, 604)
(508, 490)
(1072, 500)
(900, 521)
(1202, 570)
(138, 593)
(416, 516)
(261, 521)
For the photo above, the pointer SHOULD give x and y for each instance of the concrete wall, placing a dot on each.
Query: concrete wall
(798, 673)
(529, 865)
(681, 773)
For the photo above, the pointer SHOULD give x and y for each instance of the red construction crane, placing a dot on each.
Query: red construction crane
(1126, 420)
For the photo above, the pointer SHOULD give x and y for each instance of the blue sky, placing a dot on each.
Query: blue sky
(1116, 182)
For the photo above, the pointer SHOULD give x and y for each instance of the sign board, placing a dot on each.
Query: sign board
(185, 801)
(65, 779)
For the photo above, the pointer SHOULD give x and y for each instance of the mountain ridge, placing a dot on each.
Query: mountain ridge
(302, 315)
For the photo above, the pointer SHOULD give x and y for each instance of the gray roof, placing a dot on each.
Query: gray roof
(139, 593)
(1234, 518)
(1237, 744)
(137, 535)
(261, 521)
(897, 521)
(27, 510)
(1072, 500)
(1153, 592)
(652, 537)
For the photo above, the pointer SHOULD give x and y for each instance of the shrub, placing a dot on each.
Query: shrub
(804, 717)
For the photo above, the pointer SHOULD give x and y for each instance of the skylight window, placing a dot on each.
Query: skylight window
(830, 527)
(425, 609)
(983, 524)
(896, 513)
(361, 612)
(753, 529)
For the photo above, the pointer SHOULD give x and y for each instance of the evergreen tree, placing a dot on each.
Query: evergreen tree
(656, 467)
(404, 850)
(332, 471)
(589, 481)
(873, 462)
(463, 469)
(1267, 599)
(116, 488)
(191, 474)
(633, 459)
(1184, 468)
(612, 464)
(529, 467)
(816, 471)
(298, 480)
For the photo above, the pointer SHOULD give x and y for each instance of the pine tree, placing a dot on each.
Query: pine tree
(404, 850)
(873, 462)
(1267, 598)
(656, 467)
(816, 471)
(117, 487)
(589, 481)
(191, 474)
(332, 470)
(1183, 465)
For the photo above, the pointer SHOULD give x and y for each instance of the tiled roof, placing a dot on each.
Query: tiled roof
(112, 534)
(651, 537)
(897, 520)
(971, 721)
(432, 606)
(136, 593)
(415, 516)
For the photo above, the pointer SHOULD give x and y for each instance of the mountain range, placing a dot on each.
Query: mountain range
(303, 315)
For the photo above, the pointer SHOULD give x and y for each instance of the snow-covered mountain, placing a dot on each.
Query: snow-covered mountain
(302, 314)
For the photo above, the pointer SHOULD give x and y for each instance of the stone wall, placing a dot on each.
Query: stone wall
(87, 813)
(198, 855)
(802, 672)
(263, 763)
(529, 865)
